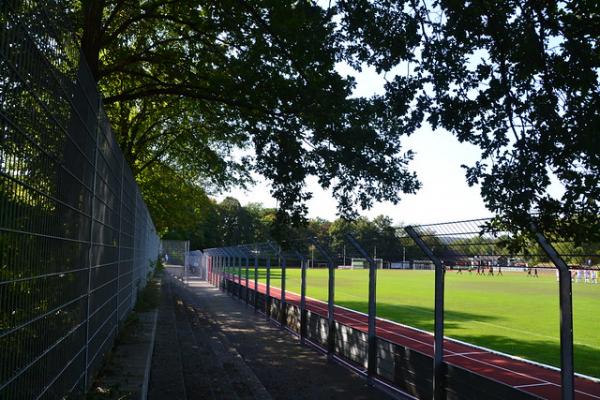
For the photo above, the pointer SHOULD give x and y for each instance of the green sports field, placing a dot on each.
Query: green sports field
(514, 314)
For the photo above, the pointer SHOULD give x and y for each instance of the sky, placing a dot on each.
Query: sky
(444, 196)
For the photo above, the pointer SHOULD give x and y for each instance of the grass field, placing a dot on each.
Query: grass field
(513, 314)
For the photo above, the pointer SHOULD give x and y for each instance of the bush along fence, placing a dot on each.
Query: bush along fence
(366, 343)
(76, 239)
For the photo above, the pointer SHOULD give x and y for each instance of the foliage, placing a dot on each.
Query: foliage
(519, 79)
(186, 82)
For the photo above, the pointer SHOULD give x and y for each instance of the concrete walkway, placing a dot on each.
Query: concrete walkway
(211, 346)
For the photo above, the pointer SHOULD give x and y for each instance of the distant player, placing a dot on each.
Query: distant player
(578, 276)
(586, 276)
(594, 277)
(529, 272)
(535, 274)
(500, 271)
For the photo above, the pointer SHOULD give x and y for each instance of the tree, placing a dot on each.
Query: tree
(187, 81)
(519, 79)
(180, 209)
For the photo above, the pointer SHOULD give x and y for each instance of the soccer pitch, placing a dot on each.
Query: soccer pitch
(513, 313)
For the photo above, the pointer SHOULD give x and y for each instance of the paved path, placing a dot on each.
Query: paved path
(210, 346)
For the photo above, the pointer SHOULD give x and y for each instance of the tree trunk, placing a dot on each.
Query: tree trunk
(91, 40)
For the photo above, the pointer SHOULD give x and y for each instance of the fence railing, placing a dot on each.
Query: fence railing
(248, 271)
(76, 239)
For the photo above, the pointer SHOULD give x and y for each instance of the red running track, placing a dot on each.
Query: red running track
(528, 377)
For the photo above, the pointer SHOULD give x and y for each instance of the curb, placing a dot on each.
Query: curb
(144, 391)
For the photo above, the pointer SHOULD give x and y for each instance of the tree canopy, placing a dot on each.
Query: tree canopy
(519, 79)
(187, 81)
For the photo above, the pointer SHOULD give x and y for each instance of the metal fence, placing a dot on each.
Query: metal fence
(248, 271)
(76, 239)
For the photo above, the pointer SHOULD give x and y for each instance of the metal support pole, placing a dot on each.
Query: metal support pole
(186, 260)
(330, 298)
(438, 348)
(247, 297)
(256, 283)
(566, 316)
(207, 261)
(303, 312)
(330, 310)
(218, 271)
(372, 311)
(239, 277)
(268, 291)
(283, 319)
(228, 275)
(90, 252)
(372, 365)
(221, 268)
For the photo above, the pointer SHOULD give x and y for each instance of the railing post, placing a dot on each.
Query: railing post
(372, 311)
(330, 299)
(438, 348)
(247, 293)
(303, 312)
(239, 258)
(221, 273)
(228, 275)
(331, 309)
(256, 282)
(268, 291)
(283, 317)
(566, 316)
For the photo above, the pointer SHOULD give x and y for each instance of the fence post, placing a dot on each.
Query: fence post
(186, 261)
(221, 272)
(120, 243)
(330, 299)
(256, 281)
(268, 291)
(91, 249)
(566, 316)
(303, 312)
(438, 348)
(247, 293)
(283, 318)
(226, 267)
(372, 311)
(239, 258)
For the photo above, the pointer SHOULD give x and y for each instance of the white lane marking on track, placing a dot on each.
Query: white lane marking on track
(543, 381)
(467, 353)
(531, 385)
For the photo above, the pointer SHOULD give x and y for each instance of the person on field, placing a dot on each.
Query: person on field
(500, 270)
(535, 274)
